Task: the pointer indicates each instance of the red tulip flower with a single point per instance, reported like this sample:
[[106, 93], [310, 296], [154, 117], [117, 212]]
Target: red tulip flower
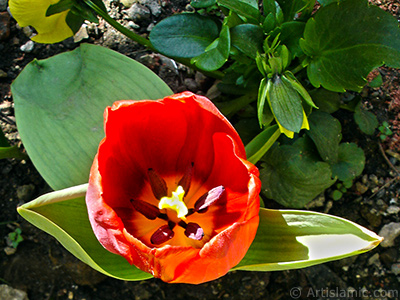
[[171, 191]]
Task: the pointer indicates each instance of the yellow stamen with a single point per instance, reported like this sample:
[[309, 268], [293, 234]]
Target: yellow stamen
[[175, 203]]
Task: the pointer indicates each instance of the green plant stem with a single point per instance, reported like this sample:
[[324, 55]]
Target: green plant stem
[[130, 34], [145, 42], [272, 134]]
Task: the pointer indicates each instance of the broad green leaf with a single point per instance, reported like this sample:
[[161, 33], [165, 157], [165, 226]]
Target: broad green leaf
[[293, 175], [202, 3], [326, 133], [350, 163], [346, 41], [290, 239], [184, 35], [269, 6], [248, 38], [291, 8], [59, 106], [246, 8], [290, 34], [366, 120], [285, 103], [326, 101], [63, 214], [217, 54]]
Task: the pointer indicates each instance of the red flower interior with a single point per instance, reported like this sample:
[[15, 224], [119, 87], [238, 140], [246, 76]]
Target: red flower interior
[[153, 149]]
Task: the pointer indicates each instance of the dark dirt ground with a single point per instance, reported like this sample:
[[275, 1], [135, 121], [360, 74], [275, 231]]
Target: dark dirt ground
[[45, 270]]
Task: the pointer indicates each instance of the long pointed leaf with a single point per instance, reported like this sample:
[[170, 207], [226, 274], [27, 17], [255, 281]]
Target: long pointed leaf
[[291, 239]]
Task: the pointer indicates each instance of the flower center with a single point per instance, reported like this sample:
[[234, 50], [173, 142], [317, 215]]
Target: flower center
[[175, 203], [173, 209]]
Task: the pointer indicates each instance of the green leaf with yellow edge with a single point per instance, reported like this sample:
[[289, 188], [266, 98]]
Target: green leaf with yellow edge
[[63, 214], [292, 239], [60, 102]]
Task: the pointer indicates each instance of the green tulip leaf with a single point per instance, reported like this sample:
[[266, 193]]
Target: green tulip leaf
[[351, 161], [326, 133], [63, 214], [293, 175], [184, 35], [290, 239], [248, 38], [343, 51], [59, 106], [284, 240], [216, 54], [246, 8]]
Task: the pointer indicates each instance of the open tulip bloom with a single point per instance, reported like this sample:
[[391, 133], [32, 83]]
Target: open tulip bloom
[[170, 189]]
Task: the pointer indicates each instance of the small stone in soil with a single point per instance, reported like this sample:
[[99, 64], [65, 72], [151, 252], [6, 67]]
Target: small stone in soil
[[24, 192], [9, 293], [27, 47], [396, 268], [389, 232]]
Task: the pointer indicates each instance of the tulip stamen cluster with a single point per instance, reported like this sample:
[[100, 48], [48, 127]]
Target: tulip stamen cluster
[[173, 209]]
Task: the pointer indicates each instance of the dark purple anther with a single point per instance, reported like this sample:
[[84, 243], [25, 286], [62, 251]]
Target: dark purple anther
[[194, 231], [158, 184], [162, 235]]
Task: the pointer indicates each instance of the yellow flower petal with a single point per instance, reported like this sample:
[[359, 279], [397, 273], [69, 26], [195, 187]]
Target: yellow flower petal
[[51, 29]]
